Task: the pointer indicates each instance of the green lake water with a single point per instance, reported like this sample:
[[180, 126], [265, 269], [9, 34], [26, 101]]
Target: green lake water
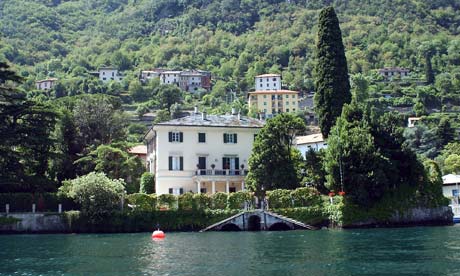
[[399, 251]]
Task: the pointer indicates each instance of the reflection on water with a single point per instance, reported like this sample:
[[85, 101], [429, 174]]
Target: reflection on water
[[404, 251]]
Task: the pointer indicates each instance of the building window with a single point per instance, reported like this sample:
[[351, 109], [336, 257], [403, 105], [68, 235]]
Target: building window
[[104, 78], [176, 163], [113, 74], [103, 73], [287, 103], [454, 192], [293, 96], [176, 191], [176, 136], [287, 109], [265, 103], [293, 109], [265, 96], [232, 189], [274, 79], [268, 84], [273, 97], [230, 138], [203, 190], [260, 85], [231, 163], [201, 137], [287, 96], [260, 80]]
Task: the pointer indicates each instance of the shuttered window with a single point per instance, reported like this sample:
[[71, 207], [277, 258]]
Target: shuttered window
[[176, 163], [176, 136], [230, 138]]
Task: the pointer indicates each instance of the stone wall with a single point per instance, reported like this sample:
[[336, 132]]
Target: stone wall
[[34, 223], [416, 216]]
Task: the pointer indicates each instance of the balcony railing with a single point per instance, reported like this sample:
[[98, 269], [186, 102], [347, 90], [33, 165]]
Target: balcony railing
[[220, 172]]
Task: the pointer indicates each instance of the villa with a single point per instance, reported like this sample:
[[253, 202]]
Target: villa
[[45, 84], [391, 72], [269, 99], [106, 74], [308, 142], [201, 153]]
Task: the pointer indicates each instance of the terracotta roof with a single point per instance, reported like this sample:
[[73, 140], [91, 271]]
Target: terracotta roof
[[268, 75], [282, 91], [309, 139], [139, 149], [215, 121]]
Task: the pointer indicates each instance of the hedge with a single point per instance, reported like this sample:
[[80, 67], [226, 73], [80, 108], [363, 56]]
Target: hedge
[[44, 202], [300, 197]]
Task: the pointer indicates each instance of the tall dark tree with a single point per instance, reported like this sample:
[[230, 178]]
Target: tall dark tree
[[25, 135], [429, 73], [332, 81], [445, 132], [274, 162]]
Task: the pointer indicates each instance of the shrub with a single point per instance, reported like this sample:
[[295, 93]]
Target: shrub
[[147, 183], [237, 200], [279, 198], [306, 196], [97, 194], [142, 202], [219, 200], [186, 202], [167, 201], [202, 201]]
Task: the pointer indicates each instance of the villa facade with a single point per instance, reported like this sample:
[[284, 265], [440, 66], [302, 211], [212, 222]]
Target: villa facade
[[310, 142], [201, 153], [46, 84]]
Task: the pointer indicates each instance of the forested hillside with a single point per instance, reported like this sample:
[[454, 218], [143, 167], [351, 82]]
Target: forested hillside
[[234, 39]]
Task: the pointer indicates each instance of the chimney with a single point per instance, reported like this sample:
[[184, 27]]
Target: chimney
[[195, 109], [203, 115], [233, 111]]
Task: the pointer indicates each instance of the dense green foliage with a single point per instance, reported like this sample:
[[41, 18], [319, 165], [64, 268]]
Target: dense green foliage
[[97, 194], [275, 163], [300, 197], [147, 185], [332, 84]]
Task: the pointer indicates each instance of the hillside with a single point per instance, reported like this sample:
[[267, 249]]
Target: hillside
[[234, 39]]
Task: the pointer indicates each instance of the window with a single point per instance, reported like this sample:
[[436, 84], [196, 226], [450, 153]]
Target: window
[[176, 163], [287, 103], [455, 192], [176, 136], [287, 96], [265, 110], [103, 78], [203, 190], [265, 103], [265, 96], [201, 137], [293, 103], [103, 73], [232, 189], [230, 138], [268, 84], [176, 191], [113, 74], [273, 97], [274, 79], [293, 96], [260, 85], [260, 80], [287, 109], [232, 164]]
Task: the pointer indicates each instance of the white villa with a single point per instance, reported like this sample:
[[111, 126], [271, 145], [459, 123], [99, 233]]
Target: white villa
[[450, 185], [391, 72], [308, 142], [187, 80], [106, 74], [45, 84], [268, 82], [201, 153]]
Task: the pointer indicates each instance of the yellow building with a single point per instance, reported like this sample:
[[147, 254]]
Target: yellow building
[[272, 102]]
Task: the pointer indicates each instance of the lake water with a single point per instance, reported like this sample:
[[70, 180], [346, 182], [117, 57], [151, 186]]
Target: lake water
[[400, 251]]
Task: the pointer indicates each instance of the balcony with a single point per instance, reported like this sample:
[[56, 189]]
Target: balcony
[[206, 172]]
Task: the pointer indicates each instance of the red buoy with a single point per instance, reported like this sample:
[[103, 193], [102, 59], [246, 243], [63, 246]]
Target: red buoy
[[158, 234]]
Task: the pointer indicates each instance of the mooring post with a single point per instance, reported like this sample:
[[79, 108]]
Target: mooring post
[[7, 208], [60, 208], [33, 208]]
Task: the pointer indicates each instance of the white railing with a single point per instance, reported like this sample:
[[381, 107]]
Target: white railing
[[221, 172]]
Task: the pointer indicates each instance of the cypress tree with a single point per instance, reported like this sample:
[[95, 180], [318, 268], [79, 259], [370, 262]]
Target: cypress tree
[[332, 83], [429, 74]]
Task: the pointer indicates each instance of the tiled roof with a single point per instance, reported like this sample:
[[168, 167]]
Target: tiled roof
[[139, 149], [309, 139], [282, 91], [215, 121], [268, 75]]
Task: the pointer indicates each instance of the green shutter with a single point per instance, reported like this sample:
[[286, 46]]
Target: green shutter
[[237, 163], [181, 137], [181, 163], [225, 138], [235, 140], [170, 163], [170, 136]]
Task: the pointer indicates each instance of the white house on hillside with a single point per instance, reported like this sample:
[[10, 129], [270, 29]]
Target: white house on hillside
[[45, 84], [201, 153], [268, 82], [308, 142], [106, 74]]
